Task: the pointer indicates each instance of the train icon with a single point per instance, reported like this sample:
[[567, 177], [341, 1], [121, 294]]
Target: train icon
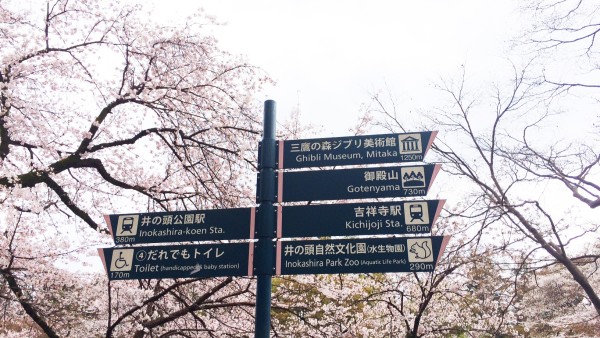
[[416, 212], [127, 225]]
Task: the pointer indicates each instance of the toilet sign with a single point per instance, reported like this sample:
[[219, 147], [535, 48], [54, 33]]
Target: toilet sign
[[178, 261]]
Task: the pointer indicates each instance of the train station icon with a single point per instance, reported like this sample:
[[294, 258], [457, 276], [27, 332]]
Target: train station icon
[[416, 213], [121, 260], [127, 225], [410, 144]]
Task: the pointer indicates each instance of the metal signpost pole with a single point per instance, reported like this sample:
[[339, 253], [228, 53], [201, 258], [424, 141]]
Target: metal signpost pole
[[264, 259]]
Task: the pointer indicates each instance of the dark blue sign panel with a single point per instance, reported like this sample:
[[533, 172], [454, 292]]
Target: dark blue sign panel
[[182, 226], [318, 185], [369, 255], [352, 150], [181, 261], [353, 219]]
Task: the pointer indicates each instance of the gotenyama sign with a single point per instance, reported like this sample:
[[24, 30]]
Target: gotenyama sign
[[381, 182]]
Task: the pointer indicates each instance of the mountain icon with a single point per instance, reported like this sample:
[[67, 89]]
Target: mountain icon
[[413, 179]]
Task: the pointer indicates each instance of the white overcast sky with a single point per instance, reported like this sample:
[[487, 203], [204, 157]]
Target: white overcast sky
[[329, 56]]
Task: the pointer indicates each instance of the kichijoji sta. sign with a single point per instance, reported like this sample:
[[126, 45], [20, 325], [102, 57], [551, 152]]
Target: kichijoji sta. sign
[[352, 150], [356, 219]]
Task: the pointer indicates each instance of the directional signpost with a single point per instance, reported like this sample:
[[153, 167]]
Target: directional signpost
[[180, 261], [263, 253], [182, 226], [380, 182], [367, 255], [354, 219]]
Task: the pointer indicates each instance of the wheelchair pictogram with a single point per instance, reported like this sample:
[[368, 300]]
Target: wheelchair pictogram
[[121, 263], [121, 260]]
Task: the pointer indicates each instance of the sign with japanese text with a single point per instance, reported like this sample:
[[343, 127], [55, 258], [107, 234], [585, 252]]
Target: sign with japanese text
[[368, 255], [353, 219], [182, 226], [181, 261], [353, 150], [380, 182]]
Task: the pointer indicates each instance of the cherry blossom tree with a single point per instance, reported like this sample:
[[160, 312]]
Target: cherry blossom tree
[[563, 37], [103, 111], [486, 143]]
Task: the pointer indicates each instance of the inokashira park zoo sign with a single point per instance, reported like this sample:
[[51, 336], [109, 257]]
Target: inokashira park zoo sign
[[261, 241], [367, 255]]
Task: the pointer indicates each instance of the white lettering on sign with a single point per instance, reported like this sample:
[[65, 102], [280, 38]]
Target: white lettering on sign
[[169, 219], [333, 249], [369, 225], [351, 156], [382, 210], [313, 263], [381, 153], [360, 143], [308, 158], [327, 157], [373, 188], [381, 175], [180, 232]]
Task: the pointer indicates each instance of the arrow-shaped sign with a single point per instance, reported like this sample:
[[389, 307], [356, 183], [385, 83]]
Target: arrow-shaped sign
[[354, 219], [368, 255], [354, 150], [181, 261], [182, 226], [380, 182]]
